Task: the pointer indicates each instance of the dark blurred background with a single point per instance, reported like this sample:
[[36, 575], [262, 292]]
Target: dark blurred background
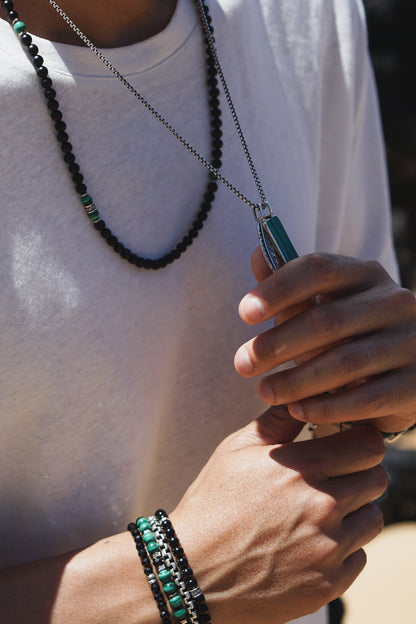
[[392, 38]]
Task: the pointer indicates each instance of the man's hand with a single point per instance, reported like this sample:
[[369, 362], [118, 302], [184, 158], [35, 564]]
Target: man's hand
[[275, 531], [351, 331]]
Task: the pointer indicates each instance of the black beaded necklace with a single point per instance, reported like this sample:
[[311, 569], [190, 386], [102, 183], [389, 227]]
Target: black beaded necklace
[[276, 246], [74, 168]]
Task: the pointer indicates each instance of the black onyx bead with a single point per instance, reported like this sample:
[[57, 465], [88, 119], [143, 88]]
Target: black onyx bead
[[33, 50], [193, 232], [80, 188], [148, 570], [218, 144], [77, 178], [199, 599], [190, 583], [216, 123], [105, 233], [125, 253], [49, 94], [187, 572], [202, 608], [216, 133], [173, 541], [53, 104], [209, 196], [139, 262], [216, 153], [202, 215], [46, 83], [170, 257], [216, 163], [216, 113], [69, 157], [178, 552], [73, 168], [62, 137], [25, 39], [7, 5], [12, 15], [147, 263], [132, 258], [99, 225], [42, 72], [154, 587], [204, 618], [131, 525], [118, 247], [180, 247], [214, 103], [165, 615], [157, 560], [60, 126], [169, 532], [198, 225], [182, 562], [212, 186], [112, 240], [66, 147], [212, 71], [214, 92], [56, 115], [161, 513], [37, 60]]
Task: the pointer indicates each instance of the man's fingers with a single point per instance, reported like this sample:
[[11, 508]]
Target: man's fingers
[[361, 527], [356, 490], [304, 278], [355, 450], [274, 426], [318, 328], [345, 364], [387, 397]]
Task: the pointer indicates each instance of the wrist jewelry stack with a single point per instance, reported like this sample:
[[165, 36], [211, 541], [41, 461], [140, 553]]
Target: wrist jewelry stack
[[167, 570]]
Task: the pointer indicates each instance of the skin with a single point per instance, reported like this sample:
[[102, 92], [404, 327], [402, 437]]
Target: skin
[[355, 346], [298, 543]]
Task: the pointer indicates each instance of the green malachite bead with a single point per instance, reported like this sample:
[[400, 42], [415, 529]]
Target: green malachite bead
[[164, 575], [180, 613], [213, 176], [86, 199], [175, 601], [169, 588], [152, 547], [94, 215], [19, 27], [148, 536]]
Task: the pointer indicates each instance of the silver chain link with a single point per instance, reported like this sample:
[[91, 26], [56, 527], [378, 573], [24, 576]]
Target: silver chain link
[[160, 117]]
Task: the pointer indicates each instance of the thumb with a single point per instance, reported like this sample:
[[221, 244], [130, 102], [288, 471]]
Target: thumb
[[274, 426]]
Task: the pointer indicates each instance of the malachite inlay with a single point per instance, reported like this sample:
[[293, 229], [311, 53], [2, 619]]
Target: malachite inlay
[[213, 176], [175, 601], [86, 200], [141, 521], [164, 575], [152, 547], [169, 588], [19, 27], [180, 613], [278, 232]]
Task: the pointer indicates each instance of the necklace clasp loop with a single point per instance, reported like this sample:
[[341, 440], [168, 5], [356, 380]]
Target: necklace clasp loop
[[262, 211]]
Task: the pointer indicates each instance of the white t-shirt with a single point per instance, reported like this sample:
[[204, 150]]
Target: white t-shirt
[[117, 383]]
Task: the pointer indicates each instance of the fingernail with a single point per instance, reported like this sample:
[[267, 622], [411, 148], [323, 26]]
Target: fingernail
[[251, 309], [243, 362], [296, 410]]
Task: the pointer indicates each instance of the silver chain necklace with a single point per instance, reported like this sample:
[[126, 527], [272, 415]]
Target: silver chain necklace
[[274, 241]]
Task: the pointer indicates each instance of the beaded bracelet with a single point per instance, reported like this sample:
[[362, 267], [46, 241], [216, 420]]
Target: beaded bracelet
[[173, 570], [190, 581], [170, 589], [148, 570]]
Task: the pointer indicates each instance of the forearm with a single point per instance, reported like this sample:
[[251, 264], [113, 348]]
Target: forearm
[[101, 583]]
